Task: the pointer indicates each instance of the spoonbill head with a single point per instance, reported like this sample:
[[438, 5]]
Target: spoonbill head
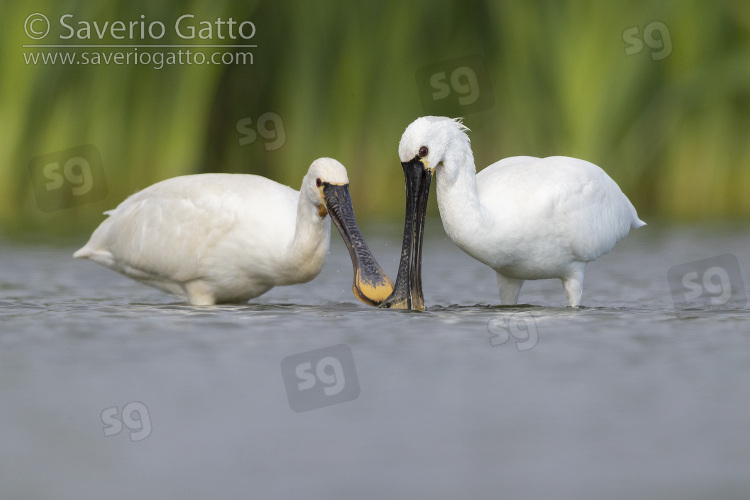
[[219, 238], [525, 217]]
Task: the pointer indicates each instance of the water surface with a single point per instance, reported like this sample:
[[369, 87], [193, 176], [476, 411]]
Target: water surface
[[623, 398]]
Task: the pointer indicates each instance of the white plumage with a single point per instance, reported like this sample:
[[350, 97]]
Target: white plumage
[[527, 218], [213, 238]]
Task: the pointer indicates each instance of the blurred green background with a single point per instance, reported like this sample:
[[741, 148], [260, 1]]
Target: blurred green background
[[664, 110]]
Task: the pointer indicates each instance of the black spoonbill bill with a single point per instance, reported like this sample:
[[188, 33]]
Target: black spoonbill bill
[[227, 238], [527, 218]]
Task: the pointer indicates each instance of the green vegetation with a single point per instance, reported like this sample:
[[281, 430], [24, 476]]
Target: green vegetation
[[670, 126]]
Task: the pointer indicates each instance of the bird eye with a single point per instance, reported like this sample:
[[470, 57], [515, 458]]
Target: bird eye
[[423, 151], [318, 182]]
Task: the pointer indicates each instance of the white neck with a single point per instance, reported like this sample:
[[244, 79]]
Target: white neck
[[457, 195], [307, 252]]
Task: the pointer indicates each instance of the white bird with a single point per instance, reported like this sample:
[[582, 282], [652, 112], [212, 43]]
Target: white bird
[[527, 218], [218, 238]]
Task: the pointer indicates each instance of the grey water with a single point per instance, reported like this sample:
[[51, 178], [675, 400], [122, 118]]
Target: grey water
[[110, 389]]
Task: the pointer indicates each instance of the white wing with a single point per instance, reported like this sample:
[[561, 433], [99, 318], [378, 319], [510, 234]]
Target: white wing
[[556, 204], [196, 227]]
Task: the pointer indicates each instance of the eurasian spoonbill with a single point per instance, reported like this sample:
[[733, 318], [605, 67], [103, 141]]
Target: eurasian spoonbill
[[527, 218], [218, 238]]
